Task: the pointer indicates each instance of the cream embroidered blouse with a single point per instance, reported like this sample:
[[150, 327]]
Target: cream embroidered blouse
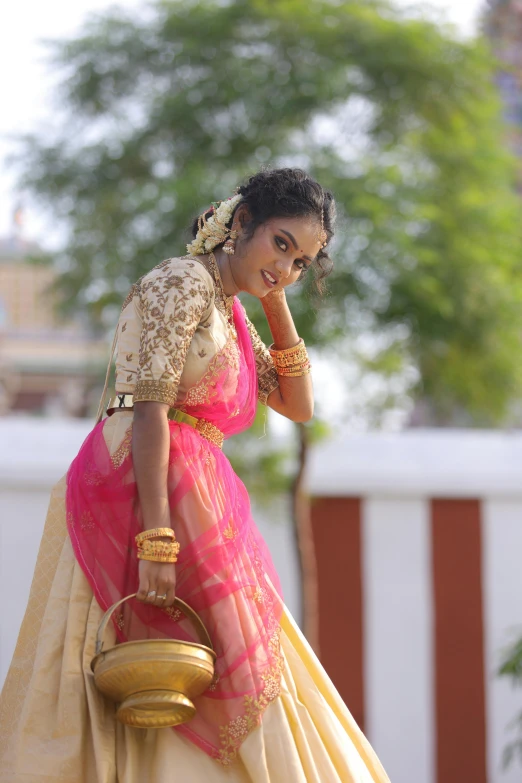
[[172, 323]]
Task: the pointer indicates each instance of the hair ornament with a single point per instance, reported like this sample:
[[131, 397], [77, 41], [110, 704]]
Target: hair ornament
[[213, 231]]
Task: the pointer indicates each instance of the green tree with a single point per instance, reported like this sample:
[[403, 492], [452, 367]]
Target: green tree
[[511, 667], [162, 114]]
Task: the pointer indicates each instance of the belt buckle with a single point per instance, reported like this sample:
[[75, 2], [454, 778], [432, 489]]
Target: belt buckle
[[120, 402]]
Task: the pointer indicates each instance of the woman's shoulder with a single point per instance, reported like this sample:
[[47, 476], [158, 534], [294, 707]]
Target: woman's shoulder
[[177, 272], [180, 273]]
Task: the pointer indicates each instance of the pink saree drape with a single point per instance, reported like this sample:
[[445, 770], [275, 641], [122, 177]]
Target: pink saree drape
[[224, 570]]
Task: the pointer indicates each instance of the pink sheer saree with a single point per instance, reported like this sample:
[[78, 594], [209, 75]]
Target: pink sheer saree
[[224, 570]]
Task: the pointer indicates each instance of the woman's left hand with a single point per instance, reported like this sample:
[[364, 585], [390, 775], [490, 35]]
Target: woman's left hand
[[157, 580]]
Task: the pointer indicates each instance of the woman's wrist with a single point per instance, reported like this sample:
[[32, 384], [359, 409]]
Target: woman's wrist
[[274, 299]]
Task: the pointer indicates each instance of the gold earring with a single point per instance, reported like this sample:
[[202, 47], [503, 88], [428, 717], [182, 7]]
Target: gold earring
[[230, 245]]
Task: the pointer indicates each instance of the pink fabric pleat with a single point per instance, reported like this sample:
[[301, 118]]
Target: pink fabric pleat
[[225, 571]]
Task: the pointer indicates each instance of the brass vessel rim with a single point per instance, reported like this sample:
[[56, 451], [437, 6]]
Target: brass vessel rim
[[185, 609], [131, 643]]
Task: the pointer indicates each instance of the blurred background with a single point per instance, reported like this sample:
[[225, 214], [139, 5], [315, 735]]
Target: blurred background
[[395, 517]]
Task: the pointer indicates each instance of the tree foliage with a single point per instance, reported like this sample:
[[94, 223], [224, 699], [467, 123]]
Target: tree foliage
[[162, 113]]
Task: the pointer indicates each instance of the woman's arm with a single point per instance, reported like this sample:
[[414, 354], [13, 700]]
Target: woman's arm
[[150, 455], [294, 397]]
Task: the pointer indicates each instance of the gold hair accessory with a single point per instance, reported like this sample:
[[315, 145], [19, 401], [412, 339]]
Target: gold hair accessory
[[159, 551]]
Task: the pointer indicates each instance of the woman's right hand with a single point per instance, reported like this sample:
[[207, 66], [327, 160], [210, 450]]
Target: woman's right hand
[[160, 578]]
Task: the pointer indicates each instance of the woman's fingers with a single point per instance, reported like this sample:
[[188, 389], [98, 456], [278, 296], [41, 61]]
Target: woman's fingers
[[171, 594], [157, 583], [143, 589], [164, 595], [161, 596]]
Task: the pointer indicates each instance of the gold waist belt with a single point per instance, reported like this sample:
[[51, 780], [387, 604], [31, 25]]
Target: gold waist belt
[[125, 402]]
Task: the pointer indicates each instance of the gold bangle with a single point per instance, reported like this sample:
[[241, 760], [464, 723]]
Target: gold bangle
[[290, 357], [294, 368], [157, 558], [155, 532], [296, 374], [160, 551], [287, 351]]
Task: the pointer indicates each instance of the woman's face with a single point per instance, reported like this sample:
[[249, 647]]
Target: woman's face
[[276, 254]]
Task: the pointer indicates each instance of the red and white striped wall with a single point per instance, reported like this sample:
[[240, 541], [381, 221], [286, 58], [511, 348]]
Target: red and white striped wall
[[419, 546]]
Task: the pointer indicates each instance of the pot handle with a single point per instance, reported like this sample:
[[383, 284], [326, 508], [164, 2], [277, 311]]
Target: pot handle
[[178, 603]]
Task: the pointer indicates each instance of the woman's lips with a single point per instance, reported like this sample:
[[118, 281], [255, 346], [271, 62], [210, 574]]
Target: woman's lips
[[268, 279]]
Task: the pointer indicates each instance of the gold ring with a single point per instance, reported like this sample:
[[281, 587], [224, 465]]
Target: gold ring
[[164, 597]]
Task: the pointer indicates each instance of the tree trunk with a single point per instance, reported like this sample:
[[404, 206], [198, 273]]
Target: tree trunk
[[302, 521]]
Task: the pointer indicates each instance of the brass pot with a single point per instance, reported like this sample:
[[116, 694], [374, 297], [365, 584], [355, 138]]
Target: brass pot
[[154, 680]]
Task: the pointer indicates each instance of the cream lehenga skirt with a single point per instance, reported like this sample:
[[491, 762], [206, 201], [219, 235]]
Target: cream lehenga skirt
[[55, 727]]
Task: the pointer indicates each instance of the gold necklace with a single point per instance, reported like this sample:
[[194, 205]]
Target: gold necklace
[[226, 302]]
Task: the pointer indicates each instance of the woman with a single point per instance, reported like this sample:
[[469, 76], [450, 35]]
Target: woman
[[151, 500]]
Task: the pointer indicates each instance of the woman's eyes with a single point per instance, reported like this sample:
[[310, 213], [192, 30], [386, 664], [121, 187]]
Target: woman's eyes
[[283, 245]]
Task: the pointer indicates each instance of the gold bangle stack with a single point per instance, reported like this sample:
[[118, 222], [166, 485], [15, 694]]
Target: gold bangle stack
[[291, 362], [158, 551]]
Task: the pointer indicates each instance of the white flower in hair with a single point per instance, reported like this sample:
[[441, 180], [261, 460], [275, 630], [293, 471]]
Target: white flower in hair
[[213, 232]]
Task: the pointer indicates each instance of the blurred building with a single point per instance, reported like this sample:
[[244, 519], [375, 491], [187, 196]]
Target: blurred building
[[47, 365], [503, 26]]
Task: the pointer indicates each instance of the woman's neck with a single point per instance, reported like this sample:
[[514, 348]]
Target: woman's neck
[[230, 287]]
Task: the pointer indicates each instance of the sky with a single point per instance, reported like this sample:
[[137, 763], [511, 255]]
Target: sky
[[26, 82]]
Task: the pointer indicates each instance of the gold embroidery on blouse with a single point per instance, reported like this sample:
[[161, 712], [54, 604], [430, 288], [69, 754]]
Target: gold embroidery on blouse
[[123, 450], [266, 372], [204, 391], [173, 303], [222, 302], [156, 391], [136, 287]]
